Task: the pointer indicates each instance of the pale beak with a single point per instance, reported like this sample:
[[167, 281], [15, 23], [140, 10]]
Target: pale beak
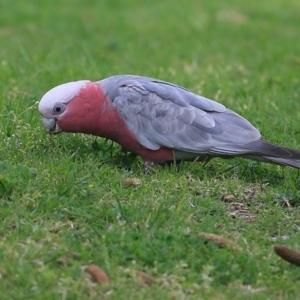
[[51, 125]]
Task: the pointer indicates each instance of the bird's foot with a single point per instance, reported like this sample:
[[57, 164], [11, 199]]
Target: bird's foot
[[148, 166]]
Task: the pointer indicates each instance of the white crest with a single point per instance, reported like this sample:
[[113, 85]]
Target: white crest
[[63, 93]]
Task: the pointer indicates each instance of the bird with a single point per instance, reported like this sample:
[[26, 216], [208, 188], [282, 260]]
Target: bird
[[159, 121]]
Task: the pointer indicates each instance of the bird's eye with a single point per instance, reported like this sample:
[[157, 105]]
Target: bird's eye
[[59, 108]]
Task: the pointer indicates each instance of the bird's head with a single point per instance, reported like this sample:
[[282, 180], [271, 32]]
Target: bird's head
[[69, 107]]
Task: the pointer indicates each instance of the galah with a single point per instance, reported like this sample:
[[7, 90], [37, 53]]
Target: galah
[[159, 121]]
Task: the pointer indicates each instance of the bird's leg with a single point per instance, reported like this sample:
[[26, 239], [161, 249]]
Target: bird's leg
[[147, 166]]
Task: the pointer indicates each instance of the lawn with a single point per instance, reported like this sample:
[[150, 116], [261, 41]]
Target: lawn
[[72, 201]]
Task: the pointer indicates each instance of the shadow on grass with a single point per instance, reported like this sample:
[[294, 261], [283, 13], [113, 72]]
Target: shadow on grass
[[87, 148]]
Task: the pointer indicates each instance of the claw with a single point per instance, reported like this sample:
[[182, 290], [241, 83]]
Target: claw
[[148, 166]]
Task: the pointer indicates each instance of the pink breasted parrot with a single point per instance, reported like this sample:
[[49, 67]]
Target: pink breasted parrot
[[157, 120]]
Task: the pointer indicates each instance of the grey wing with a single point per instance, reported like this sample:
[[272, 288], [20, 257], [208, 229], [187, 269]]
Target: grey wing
[[161, 114]]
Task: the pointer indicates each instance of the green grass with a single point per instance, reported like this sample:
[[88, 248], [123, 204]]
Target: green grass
[[63, 201]]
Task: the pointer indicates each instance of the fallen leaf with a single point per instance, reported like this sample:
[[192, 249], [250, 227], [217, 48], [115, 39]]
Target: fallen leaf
[[288, 254], [132, 181], [98, 274], [241, 211], [228, 198], [220, 240], [249, 193], [144, 278]]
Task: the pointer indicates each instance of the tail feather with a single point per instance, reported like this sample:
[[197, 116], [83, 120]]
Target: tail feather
[[264, 151], [261, 147], [275, 160], [260, 150]]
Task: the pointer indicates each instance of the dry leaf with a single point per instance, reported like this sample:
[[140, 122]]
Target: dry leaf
[[98, 274], [241, 211], [288, 254], [228, 198], [220, 240], [144, 278], [131, 181], [249, 193]]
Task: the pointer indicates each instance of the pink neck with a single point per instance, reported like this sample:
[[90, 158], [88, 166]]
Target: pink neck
[[92, 113]]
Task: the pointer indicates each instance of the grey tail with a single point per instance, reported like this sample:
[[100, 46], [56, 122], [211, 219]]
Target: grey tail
[[275, 154], [275, 160]]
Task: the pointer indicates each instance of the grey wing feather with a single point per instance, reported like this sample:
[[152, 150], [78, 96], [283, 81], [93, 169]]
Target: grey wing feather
[[162, 114]]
